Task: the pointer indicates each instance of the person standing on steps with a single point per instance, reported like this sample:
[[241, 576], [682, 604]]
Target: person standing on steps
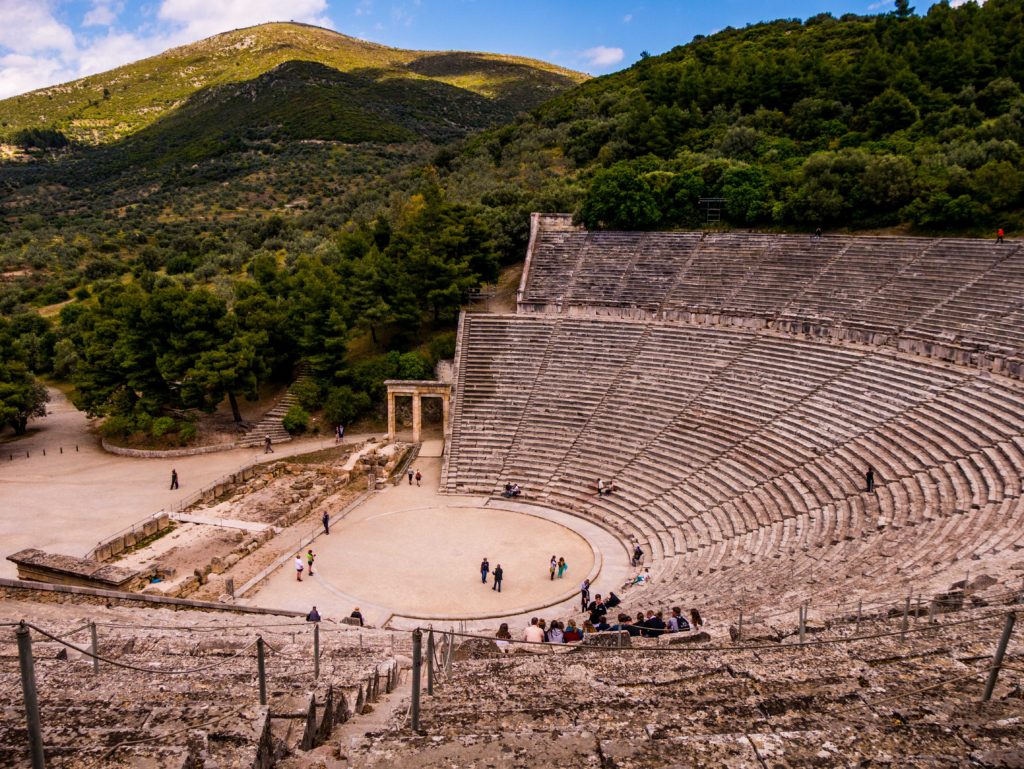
[[485, 567], [585, 594], [309, 559], [498, 574], [999, 235], [869, 476], [327, 522], [411, 473], [298, 567], [419, 477], [174, 479], [267, 448]]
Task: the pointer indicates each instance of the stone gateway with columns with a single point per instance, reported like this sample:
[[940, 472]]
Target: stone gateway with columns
[[417, 390]]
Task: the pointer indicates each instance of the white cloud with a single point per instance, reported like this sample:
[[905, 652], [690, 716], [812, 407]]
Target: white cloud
[[102, 14], [364, 8], [603, 56], [202, 18], [627, 18], [20, 73], [114, 49], [29, 26]]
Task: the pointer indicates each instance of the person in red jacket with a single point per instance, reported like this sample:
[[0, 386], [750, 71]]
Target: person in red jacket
[[999, 235]]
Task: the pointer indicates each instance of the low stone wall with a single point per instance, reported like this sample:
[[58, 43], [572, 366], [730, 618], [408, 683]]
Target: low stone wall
[[153, 454], [961, 353], [41, 592], [125, 540]]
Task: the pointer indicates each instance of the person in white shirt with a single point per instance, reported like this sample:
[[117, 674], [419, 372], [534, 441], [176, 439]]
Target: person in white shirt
[[533, 633]]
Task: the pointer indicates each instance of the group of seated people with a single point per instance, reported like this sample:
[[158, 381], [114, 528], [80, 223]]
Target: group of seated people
[[651, 625], [605, 487], [511, 490]]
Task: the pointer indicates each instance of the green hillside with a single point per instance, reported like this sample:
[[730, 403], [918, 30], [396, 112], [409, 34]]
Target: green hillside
[[860, 122], [109, 106]]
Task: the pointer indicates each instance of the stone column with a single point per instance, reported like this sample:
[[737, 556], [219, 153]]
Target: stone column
[[445, 397], [417, 417], [391, 416]]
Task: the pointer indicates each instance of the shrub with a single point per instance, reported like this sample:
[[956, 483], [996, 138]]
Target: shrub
[[161, 426], [118, 427], [308, 393], [296, 420], [343, 405], [186, 433], [442, 346]]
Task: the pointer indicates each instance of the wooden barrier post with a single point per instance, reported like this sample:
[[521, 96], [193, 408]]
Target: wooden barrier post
[[28, 690], [95, 648], [417, 662], [261, 669], [316, 651], [997, 661], [430, 661]]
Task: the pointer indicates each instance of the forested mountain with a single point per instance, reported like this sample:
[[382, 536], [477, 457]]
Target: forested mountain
[[858, 122], [305, 208]]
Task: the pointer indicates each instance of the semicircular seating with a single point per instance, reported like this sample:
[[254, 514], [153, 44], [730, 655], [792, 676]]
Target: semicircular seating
[[741, 455]]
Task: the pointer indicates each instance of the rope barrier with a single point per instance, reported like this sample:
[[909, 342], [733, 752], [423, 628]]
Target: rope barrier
[[758, 647], [128, 666]]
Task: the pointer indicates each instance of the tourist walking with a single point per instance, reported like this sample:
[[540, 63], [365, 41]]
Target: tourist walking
[[309, 559], [411, 473], [869, 476], [174, 479], [298, 567], [418, 477], [327, 522], [553, 567], [585, 594], [485, 567], [562, 567], [498, 574], [267, 448], [339, 434]]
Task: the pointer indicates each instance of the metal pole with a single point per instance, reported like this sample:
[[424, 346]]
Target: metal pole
[[430, 661], [917, 612], [803, 620], [451, 649], [860, 605], [316, 650], [28, 689], [906, 613], [261, 668], [417, 662], [931, 612], [95, 648], [997, 662], [739, 627]]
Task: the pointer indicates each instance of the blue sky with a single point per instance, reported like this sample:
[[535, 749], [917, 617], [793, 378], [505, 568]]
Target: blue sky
[[43, 42]]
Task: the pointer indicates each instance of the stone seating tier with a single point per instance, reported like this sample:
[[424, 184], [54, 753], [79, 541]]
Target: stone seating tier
[[942, 291], [652, 704], [730, 447], [120, 717]]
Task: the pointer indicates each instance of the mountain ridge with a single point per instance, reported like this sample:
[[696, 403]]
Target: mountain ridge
[[102, 108]]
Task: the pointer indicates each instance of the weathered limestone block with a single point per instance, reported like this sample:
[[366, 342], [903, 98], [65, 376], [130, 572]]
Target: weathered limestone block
[[615, 639]]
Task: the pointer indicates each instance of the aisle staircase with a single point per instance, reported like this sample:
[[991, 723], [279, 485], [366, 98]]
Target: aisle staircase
[[272, 422]]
